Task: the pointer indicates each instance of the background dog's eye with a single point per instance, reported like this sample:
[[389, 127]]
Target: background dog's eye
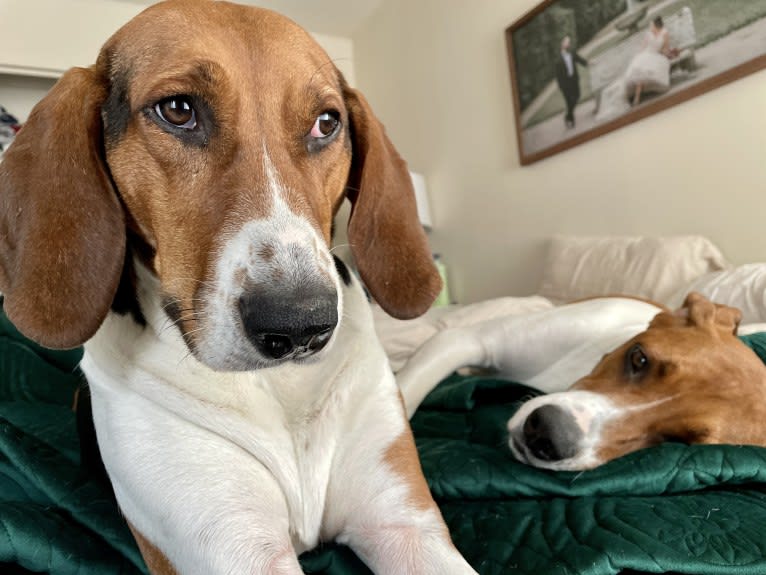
[[325, 125], [636, 361], [178, 111]]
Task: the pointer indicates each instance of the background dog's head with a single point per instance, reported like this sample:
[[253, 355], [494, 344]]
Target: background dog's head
[[214, 143], [687, 378]]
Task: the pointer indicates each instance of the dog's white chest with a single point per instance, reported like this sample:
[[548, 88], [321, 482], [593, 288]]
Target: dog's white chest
[[263, 439]]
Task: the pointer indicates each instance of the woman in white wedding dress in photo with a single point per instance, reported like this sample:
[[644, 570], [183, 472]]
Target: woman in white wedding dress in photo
[[649, 71]]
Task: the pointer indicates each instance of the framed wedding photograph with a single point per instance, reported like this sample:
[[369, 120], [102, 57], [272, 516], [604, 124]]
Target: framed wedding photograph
[[582, 68]]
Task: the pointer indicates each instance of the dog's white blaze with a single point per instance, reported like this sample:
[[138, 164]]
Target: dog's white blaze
[[296, 253], [648, 404]]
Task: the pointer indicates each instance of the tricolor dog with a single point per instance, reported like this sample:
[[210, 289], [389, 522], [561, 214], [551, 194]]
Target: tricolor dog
[[635, 374], [171, 207]]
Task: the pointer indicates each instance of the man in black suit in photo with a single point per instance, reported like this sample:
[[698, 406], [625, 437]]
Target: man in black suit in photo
[[568, 79]]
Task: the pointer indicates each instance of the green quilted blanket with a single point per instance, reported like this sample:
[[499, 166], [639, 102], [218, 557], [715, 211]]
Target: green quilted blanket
[[697, 510]]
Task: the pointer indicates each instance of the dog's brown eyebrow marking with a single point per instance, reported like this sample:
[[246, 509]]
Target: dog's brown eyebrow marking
[[193, 78], [199, 76]]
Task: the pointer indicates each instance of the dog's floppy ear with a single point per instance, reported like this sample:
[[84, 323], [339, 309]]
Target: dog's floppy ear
[[702, 312], [387, 240], [62, 234]]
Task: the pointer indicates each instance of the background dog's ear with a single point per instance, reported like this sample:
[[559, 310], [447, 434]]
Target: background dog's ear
[[389, 244], [62, 231], [702, 311]]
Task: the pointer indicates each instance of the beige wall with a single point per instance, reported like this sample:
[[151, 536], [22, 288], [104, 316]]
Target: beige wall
[[46, 37], [58, 34], [435, 71], [19, 94]]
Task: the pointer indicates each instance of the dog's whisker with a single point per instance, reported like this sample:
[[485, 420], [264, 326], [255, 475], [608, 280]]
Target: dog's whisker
[[168, 324], [185, 318], [170, 303], [176, 301], [330, 62], [352, 188], [183, 315], [177, 280], [196, 330], [332, 249], [185, 357]]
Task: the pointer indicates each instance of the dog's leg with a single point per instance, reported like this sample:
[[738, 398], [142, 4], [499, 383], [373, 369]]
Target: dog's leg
[[415, 549], [400, 531], [199, 505], [519, 346], [379, 503], [548, 349], [438, 357]]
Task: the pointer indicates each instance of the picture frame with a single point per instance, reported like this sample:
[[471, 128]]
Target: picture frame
[[624, 63]]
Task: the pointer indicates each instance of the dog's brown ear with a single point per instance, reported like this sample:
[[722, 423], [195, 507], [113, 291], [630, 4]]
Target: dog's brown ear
[[62, 234], [387, 240], [702, 312]]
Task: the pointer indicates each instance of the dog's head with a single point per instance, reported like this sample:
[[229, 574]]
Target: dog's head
[[686, 378], [219, 140]]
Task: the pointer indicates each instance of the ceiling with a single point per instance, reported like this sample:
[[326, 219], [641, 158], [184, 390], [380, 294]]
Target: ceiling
[[336, 17]]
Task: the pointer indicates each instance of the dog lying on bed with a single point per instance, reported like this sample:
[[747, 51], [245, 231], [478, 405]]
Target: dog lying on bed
[[171, 207], [658, 376]]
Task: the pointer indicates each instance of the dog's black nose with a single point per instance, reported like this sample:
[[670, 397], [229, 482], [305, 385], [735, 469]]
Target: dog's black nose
[[551, 433], [289, 325]]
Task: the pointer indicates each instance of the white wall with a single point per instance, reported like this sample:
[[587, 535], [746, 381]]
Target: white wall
[[46, 37], [436, 73]]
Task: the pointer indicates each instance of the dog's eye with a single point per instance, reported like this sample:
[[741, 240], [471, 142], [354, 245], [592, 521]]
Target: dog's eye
[[178, 111], [325, 125], [636, 362]]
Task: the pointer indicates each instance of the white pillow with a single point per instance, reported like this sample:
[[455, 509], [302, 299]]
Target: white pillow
[[743, 287], [650, 267]]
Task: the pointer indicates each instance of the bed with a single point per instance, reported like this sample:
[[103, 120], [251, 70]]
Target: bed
[[669, 509]]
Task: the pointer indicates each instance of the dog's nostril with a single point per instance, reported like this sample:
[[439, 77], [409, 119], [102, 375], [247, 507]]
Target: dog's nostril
[[533, 423], [313, 336], [275, 345], [279, 345], [544, 449], [319, 340], [551, 433]]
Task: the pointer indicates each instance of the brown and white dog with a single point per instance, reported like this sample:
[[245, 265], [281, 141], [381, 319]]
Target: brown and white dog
[[635, 374], [171, 208]]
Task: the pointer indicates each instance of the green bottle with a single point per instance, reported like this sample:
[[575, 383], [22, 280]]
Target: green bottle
[[443, 298]]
